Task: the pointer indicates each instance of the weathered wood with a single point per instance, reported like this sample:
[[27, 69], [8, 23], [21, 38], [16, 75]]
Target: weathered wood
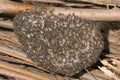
[[91, 14]]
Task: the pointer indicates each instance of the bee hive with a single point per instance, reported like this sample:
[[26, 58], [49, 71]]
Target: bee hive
[[62, 44]]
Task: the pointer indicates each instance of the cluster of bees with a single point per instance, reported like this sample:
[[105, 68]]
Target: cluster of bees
[[62, 44]]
